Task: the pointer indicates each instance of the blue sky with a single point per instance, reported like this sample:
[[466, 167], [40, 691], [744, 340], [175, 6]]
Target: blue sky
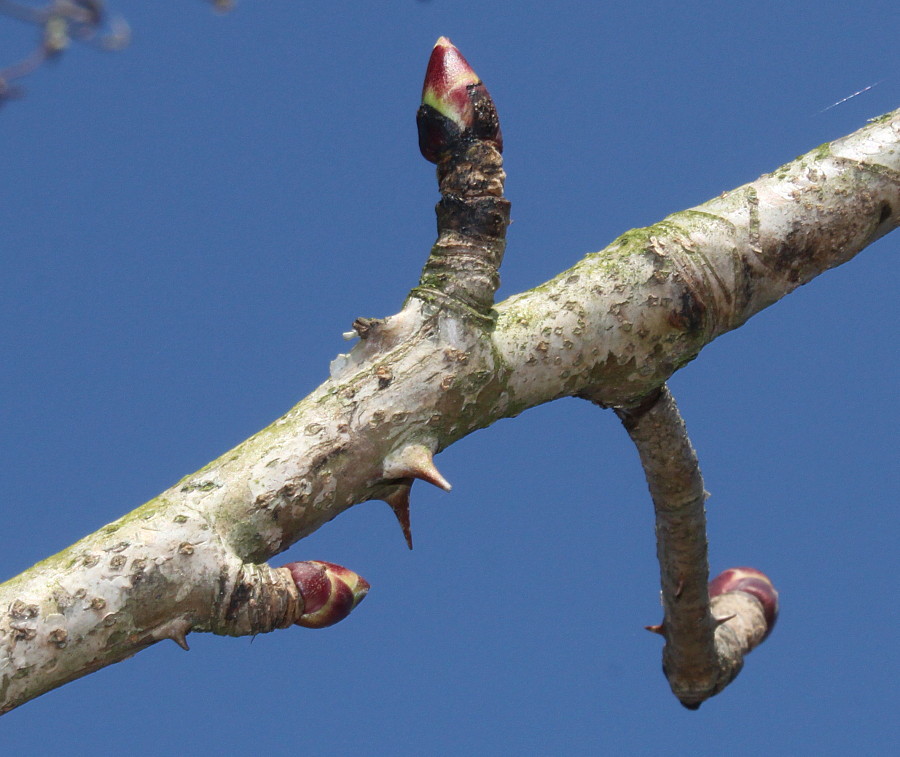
[[189, 225]]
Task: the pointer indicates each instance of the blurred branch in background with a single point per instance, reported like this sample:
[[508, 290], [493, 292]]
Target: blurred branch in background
[[60, 22]]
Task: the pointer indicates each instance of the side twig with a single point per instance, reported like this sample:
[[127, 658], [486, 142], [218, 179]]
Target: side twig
[[706, 640]]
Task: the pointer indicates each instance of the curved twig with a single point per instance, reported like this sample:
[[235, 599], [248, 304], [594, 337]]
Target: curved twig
[[705, 644]]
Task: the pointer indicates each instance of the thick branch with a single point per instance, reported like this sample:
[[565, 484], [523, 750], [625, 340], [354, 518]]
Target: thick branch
[[614, 327], [621, 321]]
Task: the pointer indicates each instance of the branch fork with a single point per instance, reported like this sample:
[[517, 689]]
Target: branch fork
[[611, 329]]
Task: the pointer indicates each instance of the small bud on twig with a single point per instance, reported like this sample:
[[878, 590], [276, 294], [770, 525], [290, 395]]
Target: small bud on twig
[[750, 581], [330, 592]]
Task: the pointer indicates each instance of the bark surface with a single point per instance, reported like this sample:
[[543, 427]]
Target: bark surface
[[612, 328]]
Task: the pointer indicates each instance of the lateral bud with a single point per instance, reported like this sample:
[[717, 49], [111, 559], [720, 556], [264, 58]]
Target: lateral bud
[[456, 106], [330, 592], [752, 582]]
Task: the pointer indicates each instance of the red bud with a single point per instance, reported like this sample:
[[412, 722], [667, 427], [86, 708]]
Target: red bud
[[330, 592], [456, 106], [752, 582]]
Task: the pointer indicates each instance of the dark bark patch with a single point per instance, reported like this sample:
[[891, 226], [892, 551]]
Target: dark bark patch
[[242, 592], [691, 313]]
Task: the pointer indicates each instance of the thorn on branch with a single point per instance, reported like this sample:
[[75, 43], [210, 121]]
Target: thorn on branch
[[398, 500], [414, 461], [176, 630]]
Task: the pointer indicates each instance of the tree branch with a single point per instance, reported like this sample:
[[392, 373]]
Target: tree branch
[[705, 640], [60, 22], [613, 328]]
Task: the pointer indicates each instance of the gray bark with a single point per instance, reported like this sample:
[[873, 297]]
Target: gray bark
[[612, 328]]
